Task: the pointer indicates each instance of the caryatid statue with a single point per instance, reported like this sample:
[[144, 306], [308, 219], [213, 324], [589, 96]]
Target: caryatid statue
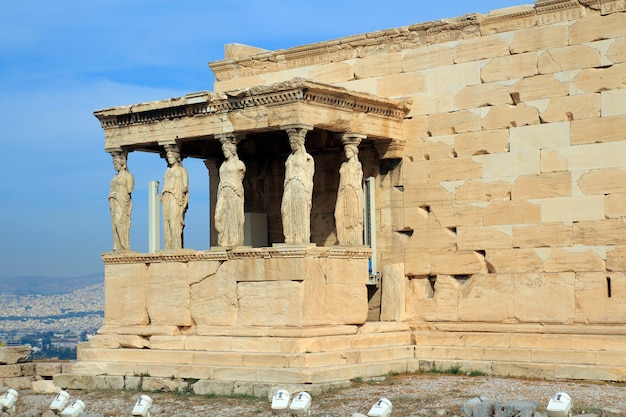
[[174, 198], [298, 188], [229, 209], [349, 207], [120, 202]]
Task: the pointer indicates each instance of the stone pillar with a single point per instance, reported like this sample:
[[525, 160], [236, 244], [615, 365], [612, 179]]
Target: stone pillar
[[393, 302], [174, 198], [297, 187], [120, 200], [350, 204], [214, 179], [229, 207]]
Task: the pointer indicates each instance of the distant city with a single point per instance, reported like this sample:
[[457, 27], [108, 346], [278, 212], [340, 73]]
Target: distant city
[[53, 324]]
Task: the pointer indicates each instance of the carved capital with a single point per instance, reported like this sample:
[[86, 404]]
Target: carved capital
[[297, 129], [351, 138], [230, 137]]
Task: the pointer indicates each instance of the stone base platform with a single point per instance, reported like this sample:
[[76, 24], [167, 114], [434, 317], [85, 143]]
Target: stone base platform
[[254, 361], [585, 352], [242, 360]]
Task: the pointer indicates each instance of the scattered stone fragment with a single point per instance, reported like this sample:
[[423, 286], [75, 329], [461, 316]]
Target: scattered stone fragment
[[14, 354]]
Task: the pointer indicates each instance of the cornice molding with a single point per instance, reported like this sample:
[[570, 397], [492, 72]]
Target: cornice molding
[[241, 253], [298, 90]]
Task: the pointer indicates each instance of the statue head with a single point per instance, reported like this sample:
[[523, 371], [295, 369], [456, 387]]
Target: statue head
[[351, 150], [119, 160], [228, 147], [172, 154]]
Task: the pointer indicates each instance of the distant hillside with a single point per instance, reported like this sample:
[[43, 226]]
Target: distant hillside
[[24, 285]]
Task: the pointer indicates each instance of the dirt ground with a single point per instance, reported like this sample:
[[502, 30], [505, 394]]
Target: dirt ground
[[413, 394]]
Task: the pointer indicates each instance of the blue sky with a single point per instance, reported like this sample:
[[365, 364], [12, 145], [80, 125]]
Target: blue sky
[[61, 60]]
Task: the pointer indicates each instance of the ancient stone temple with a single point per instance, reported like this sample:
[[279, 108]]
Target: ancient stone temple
[[450, 193]]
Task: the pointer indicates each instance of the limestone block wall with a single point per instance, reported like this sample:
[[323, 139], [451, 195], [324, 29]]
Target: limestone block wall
[[509, 203], [193, 292]]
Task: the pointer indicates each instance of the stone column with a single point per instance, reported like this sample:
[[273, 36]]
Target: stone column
[[174, 198], [297, 188], [214, 179], [120, 200], [349, 207], [229, 206]]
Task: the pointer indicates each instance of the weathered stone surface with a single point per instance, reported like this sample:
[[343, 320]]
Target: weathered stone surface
[[617, 51], [603, 181], [452, 215], [560, 109], [393, 303], [568, 58], [457, 263], [44, 386], [615, 206], [550, 135], [125, 289], [401, 84], [481, 238], [454, 169], [438, 302], [601, 232], [551, 161], [454, 77], [427, 57], [532, 291], [543, 235], [377, 65], [512, 212], [213, 301], [572, 209], [484, 47], [347, 304], [524, 162], [574, 260], [509, 67], [605, 129], [482, 95], [483, 142], [13, 354], [475, 191], [592, 29], [331, 73], [506, 116], [616, 258], [543, 37], [538, 87], [542, 186], [593, 80], [167, 294], [593, 304], [48, 368], [415, 129], [118, 341], [495, 291], [514, 261], [613, 102], [429, 148], [454, 122]]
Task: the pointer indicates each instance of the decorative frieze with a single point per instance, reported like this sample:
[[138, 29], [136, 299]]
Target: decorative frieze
[[278, 251], [612, 6], [553, 11]]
